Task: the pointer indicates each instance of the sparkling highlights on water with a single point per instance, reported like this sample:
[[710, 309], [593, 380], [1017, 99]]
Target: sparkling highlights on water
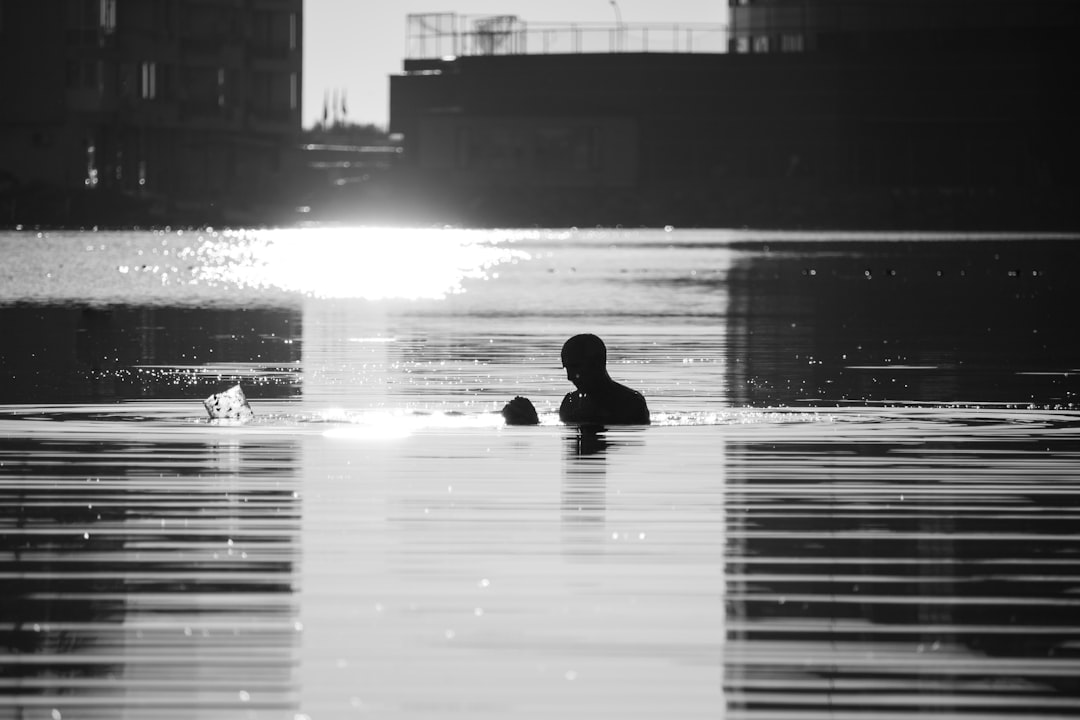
[[366, 263]]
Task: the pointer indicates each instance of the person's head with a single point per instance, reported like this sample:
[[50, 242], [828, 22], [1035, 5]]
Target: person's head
[[585, 360]]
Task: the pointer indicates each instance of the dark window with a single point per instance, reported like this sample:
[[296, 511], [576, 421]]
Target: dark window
[[567, 149], [491, 148], [148, 80]]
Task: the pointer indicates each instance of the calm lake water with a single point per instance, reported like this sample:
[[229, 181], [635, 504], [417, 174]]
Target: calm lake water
[[858, 497]]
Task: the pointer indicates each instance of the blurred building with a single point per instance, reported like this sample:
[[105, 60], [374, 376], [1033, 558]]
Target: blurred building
[[902, 26], [194, 103], [827, 113]]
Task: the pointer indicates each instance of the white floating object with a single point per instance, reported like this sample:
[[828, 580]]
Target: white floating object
[[229, 405]]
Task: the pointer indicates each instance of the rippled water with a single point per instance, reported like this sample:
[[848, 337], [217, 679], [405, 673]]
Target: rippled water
[[858, 496]]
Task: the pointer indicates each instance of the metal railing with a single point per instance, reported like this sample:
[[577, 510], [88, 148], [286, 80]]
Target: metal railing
[[449, 34]]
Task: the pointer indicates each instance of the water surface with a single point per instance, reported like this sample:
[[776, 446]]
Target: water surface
[[858, 496]]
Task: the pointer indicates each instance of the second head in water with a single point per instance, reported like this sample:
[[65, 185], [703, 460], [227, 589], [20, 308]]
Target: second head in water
[[597, 399]]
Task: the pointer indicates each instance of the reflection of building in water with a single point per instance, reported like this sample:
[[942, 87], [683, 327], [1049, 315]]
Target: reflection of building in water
[[865, 575], [164, 578], [893, 563], [915, 321], [68, 354]]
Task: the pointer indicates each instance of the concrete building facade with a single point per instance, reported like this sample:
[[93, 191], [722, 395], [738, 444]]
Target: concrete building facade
[[911, 132], [193, 103], [905, 26]]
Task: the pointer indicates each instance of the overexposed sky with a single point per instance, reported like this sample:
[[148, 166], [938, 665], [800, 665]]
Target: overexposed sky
[[354, 46]]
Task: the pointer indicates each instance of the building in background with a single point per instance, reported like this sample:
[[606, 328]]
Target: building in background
[[901, 26], [892, 114], [191, 104], [509, 122]]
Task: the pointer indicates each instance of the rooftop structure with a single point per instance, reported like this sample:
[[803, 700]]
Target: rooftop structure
[[439, 35], [826, 114]]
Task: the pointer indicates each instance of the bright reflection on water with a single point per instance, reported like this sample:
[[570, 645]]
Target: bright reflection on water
[[204, 267], [363, 263], [857, 498]]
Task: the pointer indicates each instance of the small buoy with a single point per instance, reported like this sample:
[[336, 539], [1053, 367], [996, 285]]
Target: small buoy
[[229, 405]]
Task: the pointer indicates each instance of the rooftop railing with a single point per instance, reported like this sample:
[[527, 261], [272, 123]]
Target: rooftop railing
[[449, 34]]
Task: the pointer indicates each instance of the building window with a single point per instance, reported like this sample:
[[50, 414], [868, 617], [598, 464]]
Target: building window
[[201, 90], [274, 95], [462, 148], [761, 43], [567, 149], [742, 44], [107, 16], [490, 148], [148, 81], [81, 74], [91, 179], [791, 43], [274, 33]]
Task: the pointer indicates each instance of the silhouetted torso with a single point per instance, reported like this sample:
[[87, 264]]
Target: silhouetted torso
[[598, 400], [610, 403]]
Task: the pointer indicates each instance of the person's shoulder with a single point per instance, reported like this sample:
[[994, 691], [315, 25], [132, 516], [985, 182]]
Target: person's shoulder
[[642, 410], [632, 405], [572, 407], [629, 392]]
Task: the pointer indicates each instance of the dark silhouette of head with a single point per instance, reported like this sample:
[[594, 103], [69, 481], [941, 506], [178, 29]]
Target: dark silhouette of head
[[585, 360], [520, 411]]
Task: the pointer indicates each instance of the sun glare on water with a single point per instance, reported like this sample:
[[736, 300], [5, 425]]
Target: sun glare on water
[[361, 263]]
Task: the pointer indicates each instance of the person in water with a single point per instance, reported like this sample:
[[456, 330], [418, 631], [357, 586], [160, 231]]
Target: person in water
[[598, 399]]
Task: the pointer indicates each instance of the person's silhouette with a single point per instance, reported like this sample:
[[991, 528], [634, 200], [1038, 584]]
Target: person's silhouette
[[597, 400]]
